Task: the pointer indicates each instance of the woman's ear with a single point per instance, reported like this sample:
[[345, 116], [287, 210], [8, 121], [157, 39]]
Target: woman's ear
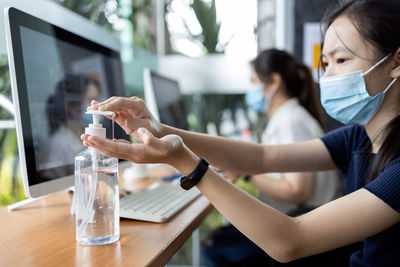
[[275, 81], [395, 72]]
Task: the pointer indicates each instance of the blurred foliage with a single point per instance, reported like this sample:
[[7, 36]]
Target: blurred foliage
[[143, 24], [5, 86], [100, 11], [206, 14], [11, 188], [93, 10], [209, 107], [247, 187]]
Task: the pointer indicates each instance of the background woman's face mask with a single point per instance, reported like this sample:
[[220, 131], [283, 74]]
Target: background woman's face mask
[[255, 98], [345, 97]]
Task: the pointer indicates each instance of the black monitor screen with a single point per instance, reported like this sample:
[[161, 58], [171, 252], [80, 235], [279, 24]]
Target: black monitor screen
[[58, 74], [169, 101]]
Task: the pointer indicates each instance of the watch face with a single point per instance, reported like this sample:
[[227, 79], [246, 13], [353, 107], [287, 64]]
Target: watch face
[[186, 183]]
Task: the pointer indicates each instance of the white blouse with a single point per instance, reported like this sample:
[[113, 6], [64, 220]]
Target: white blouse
[[292, 123]]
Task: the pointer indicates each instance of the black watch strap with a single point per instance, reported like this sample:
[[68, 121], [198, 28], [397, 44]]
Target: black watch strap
[[193, 178]]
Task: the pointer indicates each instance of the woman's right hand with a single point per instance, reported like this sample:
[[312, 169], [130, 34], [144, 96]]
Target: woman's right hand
[[131, 114]]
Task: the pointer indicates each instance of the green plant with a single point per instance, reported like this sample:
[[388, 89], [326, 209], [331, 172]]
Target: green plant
[[142, 19], [11, 189], [5, 86], [206, 14], [141, 15], [93, 10]]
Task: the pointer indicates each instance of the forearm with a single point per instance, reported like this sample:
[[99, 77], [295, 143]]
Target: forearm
[[224, 153], [250, 158], [296, 188]]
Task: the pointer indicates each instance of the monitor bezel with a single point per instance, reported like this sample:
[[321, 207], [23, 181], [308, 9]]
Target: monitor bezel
[[14, 18], [149, 91], [152, 102], [149, 95]]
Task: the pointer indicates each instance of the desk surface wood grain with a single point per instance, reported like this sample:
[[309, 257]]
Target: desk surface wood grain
[[43, 234]]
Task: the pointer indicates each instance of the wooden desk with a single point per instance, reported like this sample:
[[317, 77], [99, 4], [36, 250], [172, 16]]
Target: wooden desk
[[43, 234]]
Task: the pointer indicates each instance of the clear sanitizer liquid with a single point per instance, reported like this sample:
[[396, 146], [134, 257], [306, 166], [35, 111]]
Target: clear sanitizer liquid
[[97, 195]]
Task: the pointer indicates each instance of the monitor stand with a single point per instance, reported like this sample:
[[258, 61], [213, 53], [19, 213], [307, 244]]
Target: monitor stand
[[19, 204]]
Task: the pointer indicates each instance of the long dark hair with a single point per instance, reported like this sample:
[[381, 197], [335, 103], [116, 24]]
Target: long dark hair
[[296, 76], [378, 22]]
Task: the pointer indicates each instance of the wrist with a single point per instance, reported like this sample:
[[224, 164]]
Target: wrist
[[162, 130], [188, 181], [186, 161]]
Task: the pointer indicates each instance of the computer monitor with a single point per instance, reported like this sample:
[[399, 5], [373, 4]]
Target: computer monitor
[[164, 99], [54, 75]]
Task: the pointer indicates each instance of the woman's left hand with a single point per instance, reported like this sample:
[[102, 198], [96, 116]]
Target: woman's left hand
[[169, 149]]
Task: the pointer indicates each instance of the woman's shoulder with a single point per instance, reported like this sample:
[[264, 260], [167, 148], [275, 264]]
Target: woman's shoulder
[[291, 110], [296, 115], [352, 134], [387, 185], [293, 123]]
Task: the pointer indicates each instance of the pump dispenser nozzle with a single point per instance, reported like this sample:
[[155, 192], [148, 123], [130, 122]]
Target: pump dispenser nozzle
[[96, 128], [96, 118]]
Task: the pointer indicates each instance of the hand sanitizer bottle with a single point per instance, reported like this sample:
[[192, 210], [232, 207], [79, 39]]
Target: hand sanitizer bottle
[[96, 189]]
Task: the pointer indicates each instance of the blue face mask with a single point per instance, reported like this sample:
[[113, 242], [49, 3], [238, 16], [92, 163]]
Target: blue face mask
[[255, 98], [345, 97]]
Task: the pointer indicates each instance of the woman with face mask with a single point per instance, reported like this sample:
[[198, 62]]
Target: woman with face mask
[[285, 89], [361, 58]]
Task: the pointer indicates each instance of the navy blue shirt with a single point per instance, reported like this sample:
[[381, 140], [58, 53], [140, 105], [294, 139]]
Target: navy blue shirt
[[348, 149]]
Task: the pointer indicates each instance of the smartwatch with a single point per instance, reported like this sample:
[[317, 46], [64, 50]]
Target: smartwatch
[[193, 178]]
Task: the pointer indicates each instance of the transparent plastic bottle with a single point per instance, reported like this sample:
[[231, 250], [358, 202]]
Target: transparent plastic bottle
[[97, 194]]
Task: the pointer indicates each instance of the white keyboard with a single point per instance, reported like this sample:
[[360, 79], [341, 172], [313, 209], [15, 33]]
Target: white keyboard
[[157, 203]]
